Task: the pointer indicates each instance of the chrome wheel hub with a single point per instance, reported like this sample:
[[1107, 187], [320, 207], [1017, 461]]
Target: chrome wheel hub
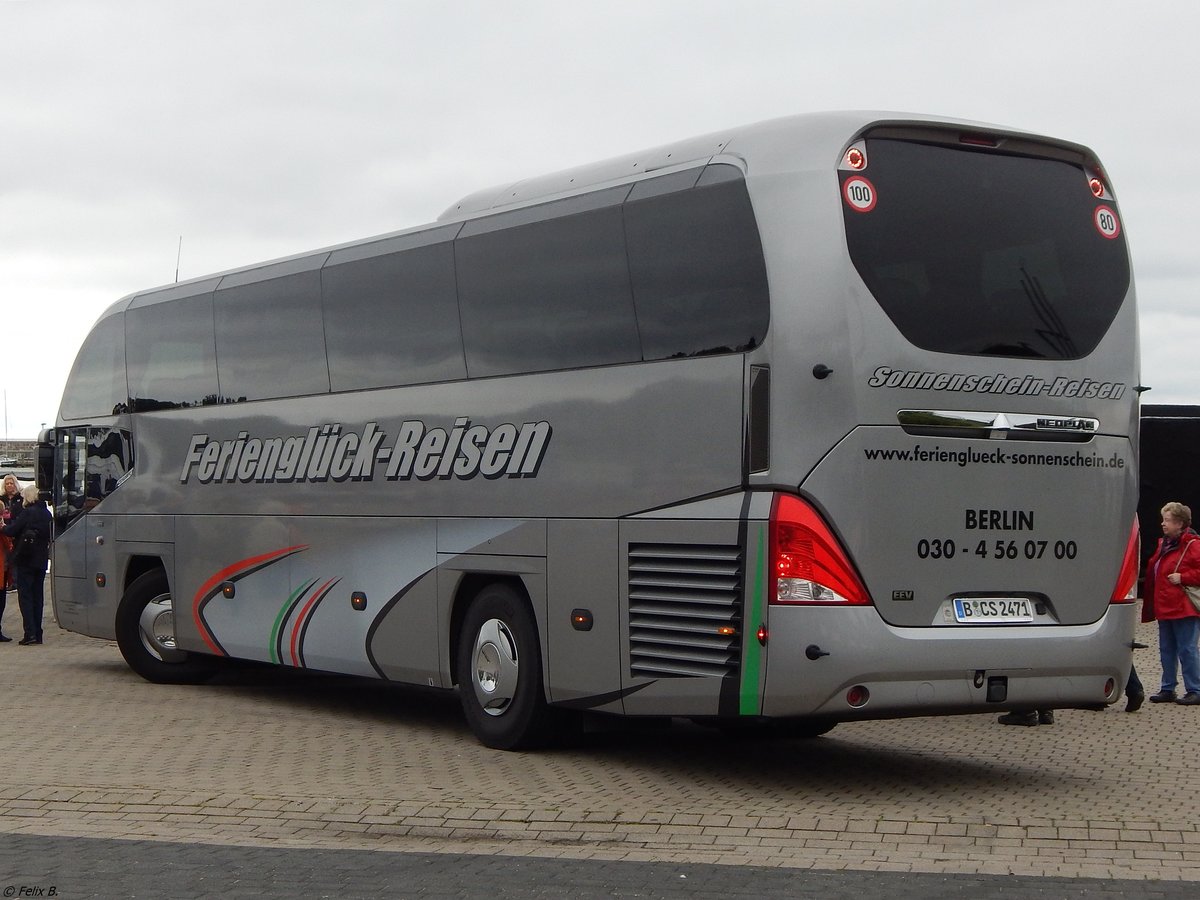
[[156, 628], [496, 667]]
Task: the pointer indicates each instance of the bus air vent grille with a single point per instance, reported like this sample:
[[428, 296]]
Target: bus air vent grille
[[685, 610]]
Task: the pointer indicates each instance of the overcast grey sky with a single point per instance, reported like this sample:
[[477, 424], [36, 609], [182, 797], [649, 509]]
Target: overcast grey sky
[[262, 129]]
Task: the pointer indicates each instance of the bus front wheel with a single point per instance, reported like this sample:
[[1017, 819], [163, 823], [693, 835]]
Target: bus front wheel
[[499, 671], [146, 635]]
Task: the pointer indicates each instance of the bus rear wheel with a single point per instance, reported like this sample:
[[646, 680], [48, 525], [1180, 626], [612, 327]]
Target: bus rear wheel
[[499, 671], [146, 635]]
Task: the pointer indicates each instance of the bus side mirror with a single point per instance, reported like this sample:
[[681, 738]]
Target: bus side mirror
[[44, 471]]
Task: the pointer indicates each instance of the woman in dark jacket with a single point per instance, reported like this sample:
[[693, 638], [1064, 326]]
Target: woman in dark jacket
[[1175, 563], [30, 531]]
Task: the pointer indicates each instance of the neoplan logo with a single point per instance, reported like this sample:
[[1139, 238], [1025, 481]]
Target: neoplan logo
[[327, 453]]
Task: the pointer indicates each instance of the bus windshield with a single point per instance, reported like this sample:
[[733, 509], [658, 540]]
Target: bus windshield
[[978, 252]]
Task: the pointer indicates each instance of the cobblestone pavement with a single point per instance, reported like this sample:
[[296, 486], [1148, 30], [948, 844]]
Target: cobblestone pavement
[[273, 759]]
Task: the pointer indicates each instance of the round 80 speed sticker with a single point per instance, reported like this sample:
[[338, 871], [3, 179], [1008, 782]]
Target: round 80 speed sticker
[[859, 193], [1106, 222]]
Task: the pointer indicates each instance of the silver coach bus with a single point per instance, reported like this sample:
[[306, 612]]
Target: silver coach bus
[[827, 418]]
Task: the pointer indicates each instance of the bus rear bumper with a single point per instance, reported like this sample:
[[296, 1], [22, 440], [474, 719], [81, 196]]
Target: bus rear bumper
[[873, 670]]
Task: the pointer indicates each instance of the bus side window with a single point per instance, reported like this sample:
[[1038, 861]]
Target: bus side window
[[171, 351], [90, 463], [697, 269]]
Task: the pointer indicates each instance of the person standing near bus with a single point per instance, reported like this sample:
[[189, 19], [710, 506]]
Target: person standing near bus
[[1175, 563], [30, 532], [10, 506], [11, 493]]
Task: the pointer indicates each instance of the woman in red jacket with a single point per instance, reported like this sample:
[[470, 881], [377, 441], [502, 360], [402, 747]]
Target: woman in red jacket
[[1175, 563], [10, 506]]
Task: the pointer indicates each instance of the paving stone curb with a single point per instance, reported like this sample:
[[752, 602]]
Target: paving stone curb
[[1070, 847]]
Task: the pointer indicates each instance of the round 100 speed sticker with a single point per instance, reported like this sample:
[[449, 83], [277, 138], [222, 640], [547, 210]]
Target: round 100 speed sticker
[[1106, 222], [859, 193]]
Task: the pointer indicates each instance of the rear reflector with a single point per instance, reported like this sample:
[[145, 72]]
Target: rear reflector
[[858, 696]]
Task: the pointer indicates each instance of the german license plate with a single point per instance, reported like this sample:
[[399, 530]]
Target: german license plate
[[992, 610]]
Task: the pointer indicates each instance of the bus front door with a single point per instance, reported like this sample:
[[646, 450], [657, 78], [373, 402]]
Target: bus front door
[[69, 574]]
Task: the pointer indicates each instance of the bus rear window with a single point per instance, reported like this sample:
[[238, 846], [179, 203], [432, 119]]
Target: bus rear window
[[981, 253]]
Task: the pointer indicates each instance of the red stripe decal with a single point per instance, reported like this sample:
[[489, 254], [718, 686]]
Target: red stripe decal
[[209, 589], [317, 595]]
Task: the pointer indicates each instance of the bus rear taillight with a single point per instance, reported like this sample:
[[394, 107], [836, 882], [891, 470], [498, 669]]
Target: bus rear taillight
[[1126, 589], [808, 564]]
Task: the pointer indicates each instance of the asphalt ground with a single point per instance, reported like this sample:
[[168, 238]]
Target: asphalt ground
[[82, 868], [270, 781]]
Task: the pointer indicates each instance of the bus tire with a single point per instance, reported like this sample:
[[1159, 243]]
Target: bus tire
[[146, 635], [499, 671]]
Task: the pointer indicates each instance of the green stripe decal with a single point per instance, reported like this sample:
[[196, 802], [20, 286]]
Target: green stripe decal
[[751, 702], [283, 611]]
